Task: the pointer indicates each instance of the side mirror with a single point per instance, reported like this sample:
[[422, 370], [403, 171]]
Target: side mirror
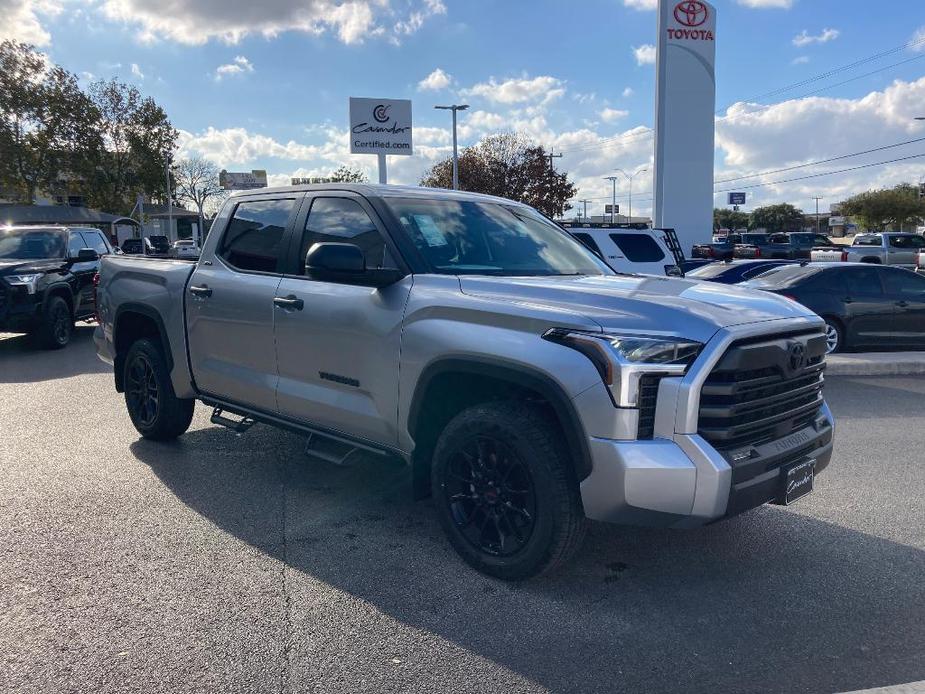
[[345, 263], [87, 255]]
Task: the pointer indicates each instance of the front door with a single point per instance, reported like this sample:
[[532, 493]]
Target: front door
[[902, 250], [83, 272], [337, 345], [868, 309], [229, 304], [907, 291]]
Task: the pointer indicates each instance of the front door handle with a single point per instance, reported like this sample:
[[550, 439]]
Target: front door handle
[[201, 291], [289, 302]]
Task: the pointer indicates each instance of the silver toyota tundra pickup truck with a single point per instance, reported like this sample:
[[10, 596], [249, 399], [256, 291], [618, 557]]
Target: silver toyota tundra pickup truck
[[528, 386]]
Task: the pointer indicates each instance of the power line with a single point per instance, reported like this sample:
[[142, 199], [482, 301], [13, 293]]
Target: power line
[[821, 161]]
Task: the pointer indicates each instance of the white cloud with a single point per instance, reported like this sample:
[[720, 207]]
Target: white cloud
[[804, 38], [611, 115], [628, 92], [435, 81], [515, 91], [767, 4], [917, 42], [19, 20], [644, 54], [238, 66], [353, 21], [800, 60], [641, 4], [136, 71]]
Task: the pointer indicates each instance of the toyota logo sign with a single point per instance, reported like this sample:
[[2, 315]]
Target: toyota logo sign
[[691, 13]]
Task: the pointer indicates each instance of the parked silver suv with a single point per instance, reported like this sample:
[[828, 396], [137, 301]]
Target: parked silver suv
[[527, 385]]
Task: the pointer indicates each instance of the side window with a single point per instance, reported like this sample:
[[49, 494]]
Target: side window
[[904, 283], [92, 239], [588, 241], [74, 243], [341, 220], [864, 282], [254, 234], [638, 248], [907, 242]]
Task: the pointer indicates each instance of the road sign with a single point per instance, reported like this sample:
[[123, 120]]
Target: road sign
[[232, 180], [611, 209], [736, 199], [380, 126]]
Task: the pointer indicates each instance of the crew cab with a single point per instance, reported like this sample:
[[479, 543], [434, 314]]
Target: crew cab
[[528, 386], [891, 248], [752, 245], [720, 248], [46, 279], [790, 246]]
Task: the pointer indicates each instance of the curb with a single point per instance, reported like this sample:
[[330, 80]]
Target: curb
[[876, 364]]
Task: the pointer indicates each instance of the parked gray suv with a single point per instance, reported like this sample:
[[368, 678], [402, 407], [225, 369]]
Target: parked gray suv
[[527, 385]]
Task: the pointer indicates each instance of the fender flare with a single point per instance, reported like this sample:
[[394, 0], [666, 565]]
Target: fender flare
[[147, 312], [520, 375], [53, 288]]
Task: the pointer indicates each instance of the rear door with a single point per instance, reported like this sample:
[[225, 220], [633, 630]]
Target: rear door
[[907, 291], [902, 250], [229, 303], [869, 311], [83, 272], [338, 350]]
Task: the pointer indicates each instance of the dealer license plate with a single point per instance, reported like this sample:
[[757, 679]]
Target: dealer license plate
[[797, 481]]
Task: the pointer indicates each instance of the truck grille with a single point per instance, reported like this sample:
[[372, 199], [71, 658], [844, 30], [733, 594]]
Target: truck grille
[[648, 395], [762, 390]]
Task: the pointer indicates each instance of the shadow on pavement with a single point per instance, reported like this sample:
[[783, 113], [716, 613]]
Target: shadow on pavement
[[22, 361], [770, 601]]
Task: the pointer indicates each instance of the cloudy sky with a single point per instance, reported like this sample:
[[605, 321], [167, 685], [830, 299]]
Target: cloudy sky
[[265, 84]]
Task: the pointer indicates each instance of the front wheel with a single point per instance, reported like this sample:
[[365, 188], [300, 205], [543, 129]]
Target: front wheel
[[834, 336], [154, 407], [505, 492], [57, 324]]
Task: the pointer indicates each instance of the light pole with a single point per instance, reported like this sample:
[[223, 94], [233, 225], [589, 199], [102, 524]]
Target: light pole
[[613, 206], [454, 108], [169, 196], [817, 199], [630, 217]]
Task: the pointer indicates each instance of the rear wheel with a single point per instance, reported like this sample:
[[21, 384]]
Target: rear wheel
[[834, 336], [505, 492], [56, 325], [154, 407]]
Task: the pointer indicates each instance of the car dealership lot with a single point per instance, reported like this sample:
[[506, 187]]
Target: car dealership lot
[[227, 563]]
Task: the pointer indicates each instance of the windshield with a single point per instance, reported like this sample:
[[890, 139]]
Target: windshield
[[31, 244], [463, 237]]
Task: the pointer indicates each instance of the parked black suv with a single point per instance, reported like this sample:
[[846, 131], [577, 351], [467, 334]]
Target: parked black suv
[[46, 279]]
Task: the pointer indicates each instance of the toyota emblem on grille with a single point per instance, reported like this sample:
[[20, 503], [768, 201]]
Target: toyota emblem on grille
[[797, 356]]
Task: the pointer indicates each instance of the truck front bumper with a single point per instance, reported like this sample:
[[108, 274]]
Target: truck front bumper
[[685, 482]]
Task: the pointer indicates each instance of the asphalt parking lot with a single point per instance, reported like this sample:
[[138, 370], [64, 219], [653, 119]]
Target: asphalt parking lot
[[225, 563]]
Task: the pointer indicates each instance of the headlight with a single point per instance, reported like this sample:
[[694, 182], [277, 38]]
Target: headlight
[[622, 360], [27, 281]]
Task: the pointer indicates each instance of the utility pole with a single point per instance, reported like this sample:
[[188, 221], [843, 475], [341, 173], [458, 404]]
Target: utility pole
[[585, 203], [817, 199], [613, 207], [169, 198], [552, 156], [454, 108]]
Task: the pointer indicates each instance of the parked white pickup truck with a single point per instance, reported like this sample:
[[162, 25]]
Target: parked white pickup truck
[[882, 249]]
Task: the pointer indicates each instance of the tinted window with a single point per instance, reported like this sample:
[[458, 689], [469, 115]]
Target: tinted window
[[907, 242], [863, 282], [758, 269], [94, 240], [868, 241], [784, 276], [31, 243], [254, 234], [589, 243], [780, 238], [903, 282], [759, 239], [472, 237], [710, 271], [341, 220], [74, 243], [638, 248]]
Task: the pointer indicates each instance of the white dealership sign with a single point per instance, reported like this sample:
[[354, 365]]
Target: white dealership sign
[[232, 180], [685, 102], [380, 126]]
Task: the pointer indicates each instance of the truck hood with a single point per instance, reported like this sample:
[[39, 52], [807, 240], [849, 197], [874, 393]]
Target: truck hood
[[18, 266], [643, 303]]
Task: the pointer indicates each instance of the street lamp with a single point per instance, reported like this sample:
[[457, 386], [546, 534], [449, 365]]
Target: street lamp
[[454, 108], [630, 217], [613, 206]]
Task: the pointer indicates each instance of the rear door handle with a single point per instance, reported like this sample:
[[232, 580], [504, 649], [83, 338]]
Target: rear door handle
[[201, 291], [289, 302]]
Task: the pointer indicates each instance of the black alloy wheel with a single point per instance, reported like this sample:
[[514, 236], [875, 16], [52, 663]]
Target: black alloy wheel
[[141, 390], [61, 323], [491, 496]]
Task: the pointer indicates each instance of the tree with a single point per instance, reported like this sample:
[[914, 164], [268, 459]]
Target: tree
[[45, 121], [348, 174], [196, 181], [729, 219], [776, 218], [879, 209], [136, 138], [510, 166]]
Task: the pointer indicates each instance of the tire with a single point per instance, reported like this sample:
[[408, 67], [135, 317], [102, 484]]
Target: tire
[[835, 336], [512, 530], [57, 324], [154, 407]]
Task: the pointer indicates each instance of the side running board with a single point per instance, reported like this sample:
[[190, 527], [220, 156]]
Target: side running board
[[237, 425]]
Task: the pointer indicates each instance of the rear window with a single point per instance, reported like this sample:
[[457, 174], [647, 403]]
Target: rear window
[[638, 248], [868, 241], [784, 276], [588, 242], [755, 238], [709, 271], [254, 234]]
